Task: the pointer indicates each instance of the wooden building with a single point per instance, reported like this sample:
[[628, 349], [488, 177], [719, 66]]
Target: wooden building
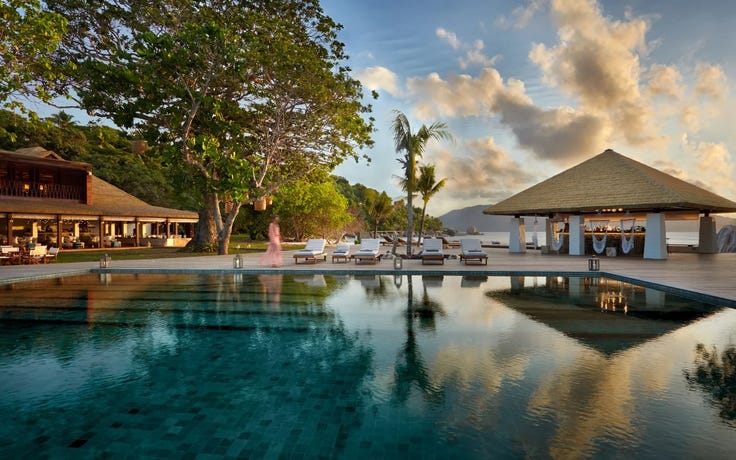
[[46, 199]]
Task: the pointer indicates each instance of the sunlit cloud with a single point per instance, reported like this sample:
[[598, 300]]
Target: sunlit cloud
[[473, 52], [483, 163], [710, 81], [379, 78], [448, 37], [562, 135], [665, 81], [521, 15]]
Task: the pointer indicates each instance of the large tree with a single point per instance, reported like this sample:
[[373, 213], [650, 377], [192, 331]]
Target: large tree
[[250, 95], [427, 187], [412, 146], [28, 37], [377, 207]]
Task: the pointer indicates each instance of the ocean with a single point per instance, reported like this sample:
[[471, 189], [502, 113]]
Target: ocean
[[502, 238]]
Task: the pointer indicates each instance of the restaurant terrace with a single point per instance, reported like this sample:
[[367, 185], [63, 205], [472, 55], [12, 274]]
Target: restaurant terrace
[[47, 200]]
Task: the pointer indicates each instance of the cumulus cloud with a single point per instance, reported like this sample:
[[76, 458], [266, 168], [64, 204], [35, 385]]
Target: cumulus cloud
[[665, 80], [710, 81], [473, 52], [521, 15], [494, 175], [379, 79], [448, 37], [562, 135], [713, 163], [596, 60]]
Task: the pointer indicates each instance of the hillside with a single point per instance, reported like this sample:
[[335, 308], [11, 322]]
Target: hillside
[[460, 219]]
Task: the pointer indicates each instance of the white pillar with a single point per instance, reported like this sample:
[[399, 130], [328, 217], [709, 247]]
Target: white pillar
[[517, 236], [34, 230], [76, 229], [707, 240], [655, 238], [577, 235]]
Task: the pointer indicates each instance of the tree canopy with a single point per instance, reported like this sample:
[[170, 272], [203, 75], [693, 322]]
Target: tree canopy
[[251, 95]]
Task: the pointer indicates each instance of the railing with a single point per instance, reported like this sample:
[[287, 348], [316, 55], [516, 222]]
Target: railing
[[39, 190]]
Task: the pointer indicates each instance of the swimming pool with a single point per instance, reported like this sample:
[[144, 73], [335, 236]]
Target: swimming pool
[[362, 366]]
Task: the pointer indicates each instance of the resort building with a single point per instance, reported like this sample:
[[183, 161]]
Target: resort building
[[48, 200], [611, 204]]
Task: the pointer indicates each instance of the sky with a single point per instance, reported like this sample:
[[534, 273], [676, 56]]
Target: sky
[[529, 88]]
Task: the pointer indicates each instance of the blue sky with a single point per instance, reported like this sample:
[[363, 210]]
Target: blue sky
[[532, 87]]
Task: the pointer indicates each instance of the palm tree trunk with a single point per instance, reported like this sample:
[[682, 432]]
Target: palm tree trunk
[[410, 225], [421, 222]]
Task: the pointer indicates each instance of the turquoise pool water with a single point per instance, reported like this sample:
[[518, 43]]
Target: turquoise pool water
[[281, 366]]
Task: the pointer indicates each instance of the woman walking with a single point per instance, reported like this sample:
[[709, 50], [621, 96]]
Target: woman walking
[[272, 256]]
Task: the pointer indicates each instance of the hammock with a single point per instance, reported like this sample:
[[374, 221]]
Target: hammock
[[627, 244], [599, 245], [558, 239], [535, 240]]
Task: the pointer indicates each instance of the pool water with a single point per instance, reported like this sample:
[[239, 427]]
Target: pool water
[[287, 366]]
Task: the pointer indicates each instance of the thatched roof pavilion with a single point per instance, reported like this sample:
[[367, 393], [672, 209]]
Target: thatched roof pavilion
[[612, 186]]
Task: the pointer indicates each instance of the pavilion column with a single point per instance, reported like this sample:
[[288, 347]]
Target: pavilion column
[[577, 235], [517, 236], [655, 238], [707, 240]]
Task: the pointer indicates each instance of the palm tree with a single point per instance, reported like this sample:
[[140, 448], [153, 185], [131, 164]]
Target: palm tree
[[413, 144], [378, 207], [427, 188]]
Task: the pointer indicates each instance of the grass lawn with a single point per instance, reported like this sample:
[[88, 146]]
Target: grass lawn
[[238, 245]]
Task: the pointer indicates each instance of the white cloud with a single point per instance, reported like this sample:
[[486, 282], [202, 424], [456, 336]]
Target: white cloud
[[494, 175], [379, 78], [473, 52], [448, 37], [562, 135], [711, 81], [521, 15], [665, 81], [713, 163]]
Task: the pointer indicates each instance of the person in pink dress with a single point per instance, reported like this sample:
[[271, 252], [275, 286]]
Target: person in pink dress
[[272, 256]]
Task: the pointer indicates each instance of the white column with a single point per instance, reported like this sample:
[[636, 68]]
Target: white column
[[76, 229], [707, 240], [655, 238], [34, 230], [577, 235], [517, 236]]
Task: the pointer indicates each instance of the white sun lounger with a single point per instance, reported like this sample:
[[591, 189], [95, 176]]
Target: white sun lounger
[[470, 249], [315, 249], [369, 251], [432, 251]]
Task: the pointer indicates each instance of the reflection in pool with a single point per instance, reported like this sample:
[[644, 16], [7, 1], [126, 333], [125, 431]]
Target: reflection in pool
[[362, 367]]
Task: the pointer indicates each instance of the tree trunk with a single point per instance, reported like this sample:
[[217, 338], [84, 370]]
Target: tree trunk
[[410, 224], [205, 234], [421, 222]]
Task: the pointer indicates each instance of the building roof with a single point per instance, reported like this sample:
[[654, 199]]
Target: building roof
[[108, 201], [611, 181]]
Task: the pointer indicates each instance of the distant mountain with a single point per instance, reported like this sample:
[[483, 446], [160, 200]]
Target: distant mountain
[[460, 219]]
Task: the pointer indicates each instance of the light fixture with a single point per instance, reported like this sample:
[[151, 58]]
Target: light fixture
[[238, 261], [594, 264], [105, 261], [398, 263]]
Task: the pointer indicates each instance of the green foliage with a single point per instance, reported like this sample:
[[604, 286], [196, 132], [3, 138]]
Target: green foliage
[[250, 95], [28, 37], [311, 210]]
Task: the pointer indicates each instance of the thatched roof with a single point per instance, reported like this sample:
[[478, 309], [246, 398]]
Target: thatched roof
[[612, 181]]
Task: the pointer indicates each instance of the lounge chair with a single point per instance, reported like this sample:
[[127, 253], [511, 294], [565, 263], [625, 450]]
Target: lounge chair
[[341, 253], [315, 249], [432, 251], [369, 252], [470, 249], [51, 255]]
